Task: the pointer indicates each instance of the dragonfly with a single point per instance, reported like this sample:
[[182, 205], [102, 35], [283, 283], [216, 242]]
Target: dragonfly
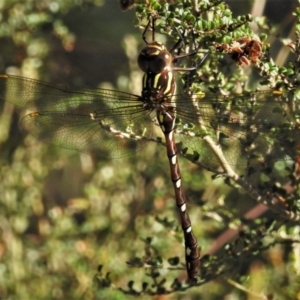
[[259, 125]]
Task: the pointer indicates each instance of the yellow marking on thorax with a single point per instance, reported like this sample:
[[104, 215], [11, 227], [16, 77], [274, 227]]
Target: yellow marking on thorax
[[169, 84], [155, 81]]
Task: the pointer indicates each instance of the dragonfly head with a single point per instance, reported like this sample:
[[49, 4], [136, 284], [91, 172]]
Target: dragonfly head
[[154, 58]]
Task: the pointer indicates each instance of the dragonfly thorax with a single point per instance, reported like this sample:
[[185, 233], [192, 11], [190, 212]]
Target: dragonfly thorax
[[158, 87], [154, 58]]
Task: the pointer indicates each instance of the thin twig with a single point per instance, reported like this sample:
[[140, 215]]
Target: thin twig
[[242, 288]]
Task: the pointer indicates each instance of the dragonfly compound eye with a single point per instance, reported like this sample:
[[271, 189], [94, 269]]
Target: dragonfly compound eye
[[154, 58]]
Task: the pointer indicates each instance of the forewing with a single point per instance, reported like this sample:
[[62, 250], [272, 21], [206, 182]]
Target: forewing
[[256, 126], [106, 122]]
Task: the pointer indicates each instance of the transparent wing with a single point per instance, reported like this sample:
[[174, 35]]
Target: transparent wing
[[112, 122], [260, 125], [256, 126]]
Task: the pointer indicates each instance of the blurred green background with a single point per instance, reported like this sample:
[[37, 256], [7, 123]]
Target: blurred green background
[[63, 213]]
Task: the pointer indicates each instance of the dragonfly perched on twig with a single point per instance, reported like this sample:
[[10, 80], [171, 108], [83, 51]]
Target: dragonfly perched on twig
[[254, 125]]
